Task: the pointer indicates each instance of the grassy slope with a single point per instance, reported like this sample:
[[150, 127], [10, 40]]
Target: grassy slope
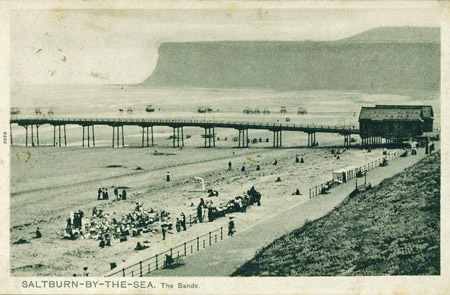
[[392, 229]]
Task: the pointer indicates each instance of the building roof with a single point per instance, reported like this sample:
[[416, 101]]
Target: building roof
[[391, 114], [427, 111]]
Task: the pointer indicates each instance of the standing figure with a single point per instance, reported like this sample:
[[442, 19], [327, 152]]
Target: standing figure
[[116, 193], [231, 227], [243, 167], [168, 177], [229, 166], [38, 233], [275, 162], [183, 221], [124, 194], [163, 231], [297, 160], [258, 166], [178, 225], [99, 193]]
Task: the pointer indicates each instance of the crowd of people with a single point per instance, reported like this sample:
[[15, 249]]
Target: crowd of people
[[102, 194], [207, 211]]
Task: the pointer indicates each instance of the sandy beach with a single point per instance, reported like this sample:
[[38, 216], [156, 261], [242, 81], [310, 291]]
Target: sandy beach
[[72, 187]]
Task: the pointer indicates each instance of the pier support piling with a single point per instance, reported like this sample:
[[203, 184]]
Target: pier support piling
[[177, 137], [210, 137], [243, 138], [277, 138], [116, 136]]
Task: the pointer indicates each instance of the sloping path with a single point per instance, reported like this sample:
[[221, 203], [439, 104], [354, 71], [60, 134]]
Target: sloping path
[[225, 257]]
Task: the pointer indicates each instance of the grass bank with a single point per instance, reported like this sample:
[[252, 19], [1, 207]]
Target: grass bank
[[393, 229]]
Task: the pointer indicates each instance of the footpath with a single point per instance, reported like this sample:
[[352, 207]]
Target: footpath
[[223, 258]]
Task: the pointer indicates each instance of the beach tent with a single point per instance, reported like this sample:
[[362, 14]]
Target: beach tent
[[342, 175]]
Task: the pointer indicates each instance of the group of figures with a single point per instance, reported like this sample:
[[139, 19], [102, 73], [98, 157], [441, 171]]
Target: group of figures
[[207, 210], [102, 194]]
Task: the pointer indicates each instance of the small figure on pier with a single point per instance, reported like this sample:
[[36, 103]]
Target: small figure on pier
[[168, 176]]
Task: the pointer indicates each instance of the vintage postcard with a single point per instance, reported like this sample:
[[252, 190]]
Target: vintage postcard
[[224, 147]]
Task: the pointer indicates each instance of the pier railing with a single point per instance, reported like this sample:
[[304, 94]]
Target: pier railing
[[185, 122], [158, 261], [319, 189]]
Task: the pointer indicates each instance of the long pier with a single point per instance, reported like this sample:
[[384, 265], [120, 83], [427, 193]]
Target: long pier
[[147, 125]]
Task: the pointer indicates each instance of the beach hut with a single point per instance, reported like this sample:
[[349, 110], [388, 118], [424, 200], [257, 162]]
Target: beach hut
[[342, 175]]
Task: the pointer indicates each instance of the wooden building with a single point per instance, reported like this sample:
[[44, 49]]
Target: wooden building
[[394, 123], [427, 114]]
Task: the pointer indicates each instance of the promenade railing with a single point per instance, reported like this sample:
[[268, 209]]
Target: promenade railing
[[158, 261], [321, 188]]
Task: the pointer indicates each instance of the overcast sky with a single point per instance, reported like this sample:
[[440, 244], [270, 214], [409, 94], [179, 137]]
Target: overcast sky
[[121, 46]]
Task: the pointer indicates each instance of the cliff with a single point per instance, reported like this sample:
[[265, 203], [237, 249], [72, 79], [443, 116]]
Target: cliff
[[384, 58]]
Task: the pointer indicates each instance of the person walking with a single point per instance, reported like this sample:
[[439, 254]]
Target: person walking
[[231, 227], [229, 166]]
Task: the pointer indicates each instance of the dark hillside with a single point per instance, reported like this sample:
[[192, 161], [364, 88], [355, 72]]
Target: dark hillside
[[393, 229]]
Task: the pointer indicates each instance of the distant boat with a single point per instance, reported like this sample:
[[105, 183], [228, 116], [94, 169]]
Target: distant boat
[[15, 111], [149, 108], [283, 109], [266, 112], [129, 110], [302, 111], [248, 111], [37, 111], [50, 112]]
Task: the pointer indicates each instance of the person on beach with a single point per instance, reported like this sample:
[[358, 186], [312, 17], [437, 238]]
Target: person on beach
[[258, 166], [275, 162], [183, 221], [178, 225], [38, 233], [231, 227], [116, 193], [85, 271], [163, 231], [302, 161], [124, 194], [168, 176], [229, 166], [243, 167], [99, 193], [106, 195], [297, 160]]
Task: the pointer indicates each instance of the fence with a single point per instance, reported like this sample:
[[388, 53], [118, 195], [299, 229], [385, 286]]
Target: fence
[[319, 189], [158, 261]]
